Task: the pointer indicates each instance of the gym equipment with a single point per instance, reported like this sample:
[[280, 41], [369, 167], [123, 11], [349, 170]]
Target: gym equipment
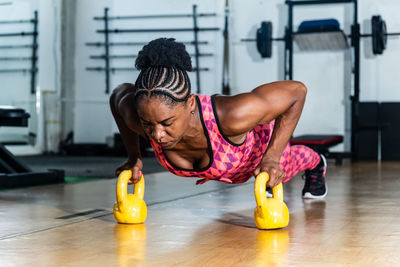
[[379, 35], [226, 90], [390, 121], [18, 70], [321, 144], [158, 30], [324, 25], [379, 39], [129, 208], [322, 35], [130, 69], [15, 46], [366, 138], [34, 34], [16, 58], [13, 173], [107, 31], [264, 33], [270, 213], [136, 43], [264, 39], [155, 16], [134, 56]]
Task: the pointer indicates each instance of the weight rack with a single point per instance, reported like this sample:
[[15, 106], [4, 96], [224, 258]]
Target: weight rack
[[355, 45], [107, 44], [33, 46]]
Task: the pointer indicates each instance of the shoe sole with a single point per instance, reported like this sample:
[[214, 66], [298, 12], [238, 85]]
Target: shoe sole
[[308, 195]]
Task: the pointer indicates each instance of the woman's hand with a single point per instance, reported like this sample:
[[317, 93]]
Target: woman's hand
[[135, 167], [276, 175]]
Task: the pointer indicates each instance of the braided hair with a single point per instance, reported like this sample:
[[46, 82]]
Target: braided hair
[[163, 65]]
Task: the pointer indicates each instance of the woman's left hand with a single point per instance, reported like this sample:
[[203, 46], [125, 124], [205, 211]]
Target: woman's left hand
[[276, 175]]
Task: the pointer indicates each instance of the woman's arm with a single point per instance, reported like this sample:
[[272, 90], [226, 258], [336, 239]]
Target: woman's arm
[[124, 113], [282, 101]]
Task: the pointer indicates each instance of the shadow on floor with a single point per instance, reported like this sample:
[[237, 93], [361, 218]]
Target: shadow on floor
[[86, 166]]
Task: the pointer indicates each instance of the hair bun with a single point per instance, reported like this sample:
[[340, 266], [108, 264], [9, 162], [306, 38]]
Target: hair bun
[[164, 52]]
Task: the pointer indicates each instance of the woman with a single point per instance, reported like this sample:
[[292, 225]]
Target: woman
[[224, 138]]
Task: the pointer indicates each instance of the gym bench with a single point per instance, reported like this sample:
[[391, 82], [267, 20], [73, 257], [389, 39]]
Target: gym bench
[[14, 173]]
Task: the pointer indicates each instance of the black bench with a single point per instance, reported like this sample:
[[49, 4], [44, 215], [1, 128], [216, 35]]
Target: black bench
[[14, 173], [322, 144]]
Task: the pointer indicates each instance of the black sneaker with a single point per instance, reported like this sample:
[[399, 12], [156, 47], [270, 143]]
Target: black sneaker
[[315, 186]]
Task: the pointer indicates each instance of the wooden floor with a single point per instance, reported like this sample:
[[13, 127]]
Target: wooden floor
[[358, 224]]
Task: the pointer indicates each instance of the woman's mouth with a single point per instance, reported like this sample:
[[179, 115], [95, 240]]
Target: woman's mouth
[[164, 144]]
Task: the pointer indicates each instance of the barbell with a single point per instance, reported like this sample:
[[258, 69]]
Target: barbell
[[379, 35]]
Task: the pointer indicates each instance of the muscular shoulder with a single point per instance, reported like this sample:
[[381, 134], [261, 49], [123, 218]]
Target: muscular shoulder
[[240, 113], [233, 113], [121, 92], [122, 102]]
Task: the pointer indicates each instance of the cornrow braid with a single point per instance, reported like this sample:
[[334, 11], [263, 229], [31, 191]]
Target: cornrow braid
[[163, 65], [171, 83]]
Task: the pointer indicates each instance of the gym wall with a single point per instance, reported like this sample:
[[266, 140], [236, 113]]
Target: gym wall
[[93, 120]]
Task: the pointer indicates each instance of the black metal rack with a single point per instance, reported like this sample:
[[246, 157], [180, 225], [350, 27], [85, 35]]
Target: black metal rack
[[355, 45], [107, 44], [33, 46]]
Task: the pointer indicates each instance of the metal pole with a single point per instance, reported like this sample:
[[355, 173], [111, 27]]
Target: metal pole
[[15, 58], [157, 16], [16, 70], [289, 45], [12, 34], [225, 64], [196, 47], [159, 30], [317, 2], [355, 99], [14, 46], [127, 69], [136, 43], [34, 53], [106, 46], [16, 21], [131, 56]]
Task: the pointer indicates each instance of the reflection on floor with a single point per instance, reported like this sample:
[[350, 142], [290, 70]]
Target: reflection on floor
[[207, 225]]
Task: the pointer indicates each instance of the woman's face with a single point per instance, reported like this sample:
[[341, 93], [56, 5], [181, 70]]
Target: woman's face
[[165, 124]]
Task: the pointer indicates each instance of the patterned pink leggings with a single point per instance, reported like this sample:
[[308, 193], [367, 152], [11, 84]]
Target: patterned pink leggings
[[297, 158]]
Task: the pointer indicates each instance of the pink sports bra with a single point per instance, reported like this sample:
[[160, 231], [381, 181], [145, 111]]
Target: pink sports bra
[[229, 162]]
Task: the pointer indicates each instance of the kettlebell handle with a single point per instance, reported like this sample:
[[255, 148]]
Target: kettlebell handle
[[122, 188], [260, 187]]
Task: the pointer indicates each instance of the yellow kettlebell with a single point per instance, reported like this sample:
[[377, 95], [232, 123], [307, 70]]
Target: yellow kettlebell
[[129, 208], [270, 213]]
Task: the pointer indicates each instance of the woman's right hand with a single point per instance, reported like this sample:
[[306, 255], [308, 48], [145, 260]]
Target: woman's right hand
[[135, 167]]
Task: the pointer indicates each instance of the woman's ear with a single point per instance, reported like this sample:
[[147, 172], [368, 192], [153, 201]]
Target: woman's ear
[[192, 102]]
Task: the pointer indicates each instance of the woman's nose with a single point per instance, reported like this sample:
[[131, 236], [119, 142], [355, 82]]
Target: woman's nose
[[157, 133]]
